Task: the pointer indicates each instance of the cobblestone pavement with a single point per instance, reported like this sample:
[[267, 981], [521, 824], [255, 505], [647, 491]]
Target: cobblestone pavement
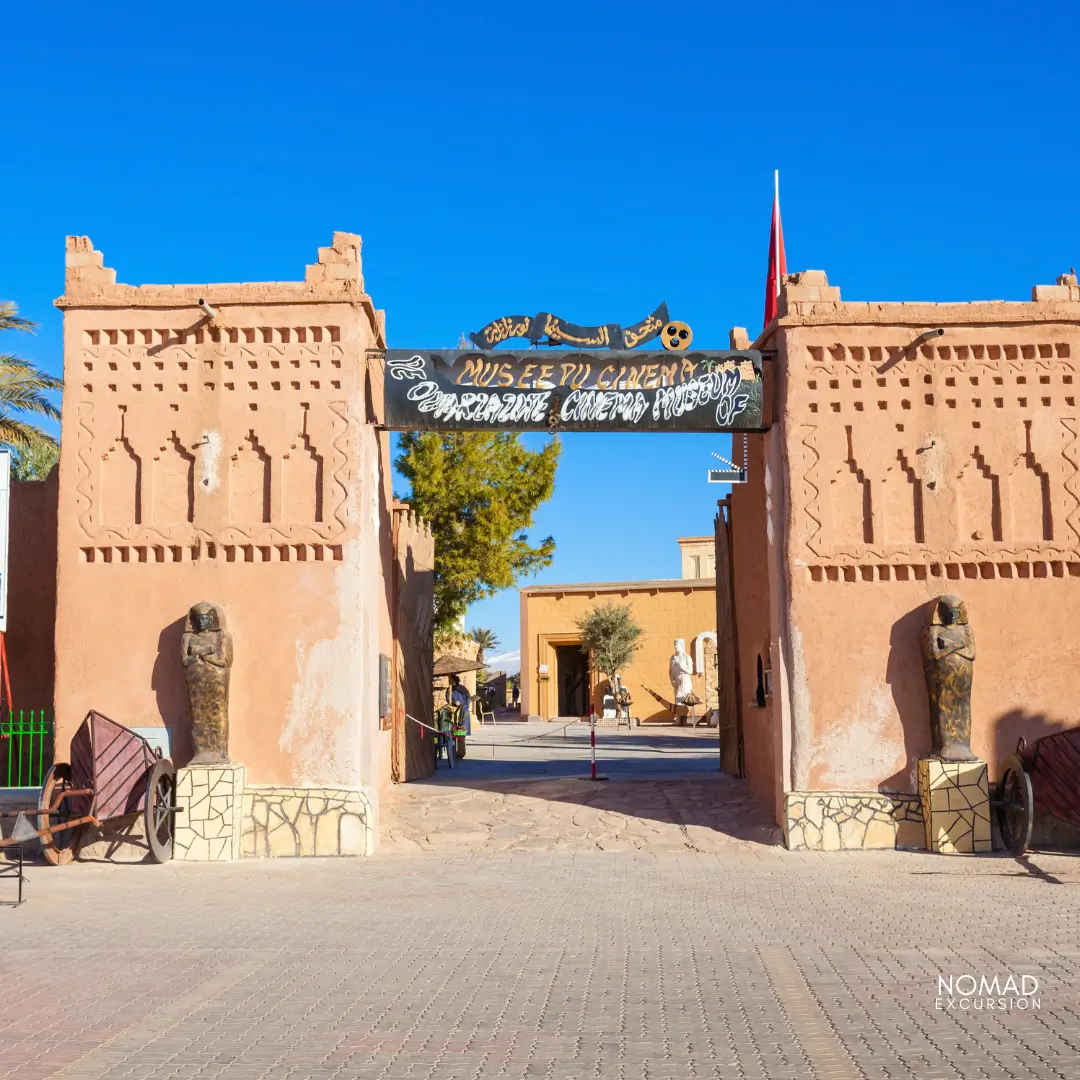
[[749, 963], [644, 928], [523, 788]]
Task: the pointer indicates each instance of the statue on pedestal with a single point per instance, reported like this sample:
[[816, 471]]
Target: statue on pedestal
[[207, 653], [680, 668], [948, 649]]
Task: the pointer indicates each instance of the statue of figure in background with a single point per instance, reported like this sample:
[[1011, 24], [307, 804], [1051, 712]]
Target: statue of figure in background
[[948, 648], [623, 701], [680, 668], [207, 653]]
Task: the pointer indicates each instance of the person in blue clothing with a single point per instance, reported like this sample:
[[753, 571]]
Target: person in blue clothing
[[460, 698]]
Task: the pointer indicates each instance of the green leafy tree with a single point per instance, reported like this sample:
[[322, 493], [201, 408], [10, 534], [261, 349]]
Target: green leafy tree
[[23, 390], [478, 491], [610, 636], [35, 462]]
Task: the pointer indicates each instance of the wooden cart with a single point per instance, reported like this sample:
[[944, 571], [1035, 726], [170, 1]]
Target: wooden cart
[[1046, 776], [113, 772]]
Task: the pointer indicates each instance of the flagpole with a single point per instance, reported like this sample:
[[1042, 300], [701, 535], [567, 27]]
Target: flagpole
[[776, 203]]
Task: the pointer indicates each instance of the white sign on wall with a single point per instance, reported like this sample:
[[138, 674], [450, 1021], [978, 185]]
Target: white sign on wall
[[5, 501]]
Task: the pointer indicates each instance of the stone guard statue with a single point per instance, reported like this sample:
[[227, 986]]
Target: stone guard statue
[[948, 649], [207, 653]]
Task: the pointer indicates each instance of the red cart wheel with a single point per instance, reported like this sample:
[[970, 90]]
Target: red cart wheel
[[60, 847], [1015, 805], [158, 814]]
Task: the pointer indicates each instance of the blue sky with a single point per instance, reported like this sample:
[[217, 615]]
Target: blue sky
[[590, 159]]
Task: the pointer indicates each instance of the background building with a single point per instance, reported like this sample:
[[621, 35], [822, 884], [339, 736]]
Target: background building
[[698, 555], [555, 676]]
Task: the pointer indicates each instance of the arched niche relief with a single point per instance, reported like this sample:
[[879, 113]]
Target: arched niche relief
[[249, 483], [979, 500], [845, 490], [302, 479], [698, 649], [173, 489], [906, 522], [1031, 509], [120, 482]]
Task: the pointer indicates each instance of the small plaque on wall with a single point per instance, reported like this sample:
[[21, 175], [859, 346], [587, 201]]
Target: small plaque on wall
[[159, 738]]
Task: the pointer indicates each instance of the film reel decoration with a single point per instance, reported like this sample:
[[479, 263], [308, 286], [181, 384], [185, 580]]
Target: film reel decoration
[[676, 337]]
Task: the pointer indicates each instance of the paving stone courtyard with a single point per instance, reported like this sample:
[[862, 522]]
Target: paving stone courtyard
[[522, 787], [524, 928]]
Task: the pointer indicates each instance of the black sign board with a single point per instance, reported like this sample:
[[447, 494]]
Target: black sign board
[[568, 390]]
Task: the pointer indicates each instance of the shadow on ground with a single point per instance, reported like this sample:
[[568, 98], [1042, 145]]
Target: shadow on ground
[[528, 788]]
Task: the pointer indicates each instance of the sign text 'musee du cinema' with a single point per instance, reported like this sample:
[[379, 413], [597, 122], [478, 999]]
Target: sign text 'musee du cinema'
[[564, 390]]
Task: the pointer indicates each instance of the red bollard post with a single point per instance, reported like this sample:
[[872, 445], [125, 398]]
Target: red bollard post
[[592, 745], [592, 740]]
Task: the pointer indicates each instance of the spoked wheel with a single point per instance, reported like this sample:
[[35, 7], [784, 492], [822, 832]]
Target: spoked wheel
[[1015, 806], [158, 813], [450, 750], [62, 845]]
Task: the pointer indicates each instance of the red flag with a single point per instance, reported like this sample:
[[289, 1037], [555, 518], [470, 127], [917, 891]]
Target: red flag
[[777, 260]]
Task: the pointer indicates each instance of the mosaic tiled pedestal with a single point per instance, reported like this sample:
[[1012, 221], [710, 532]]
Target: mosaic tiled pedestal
[[210, 827], [852, 820], [288, 822], [956, 806]]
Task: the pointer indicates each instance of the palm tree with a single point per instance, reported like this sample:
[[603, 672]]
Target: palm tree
[[22, 390], [486, 639]]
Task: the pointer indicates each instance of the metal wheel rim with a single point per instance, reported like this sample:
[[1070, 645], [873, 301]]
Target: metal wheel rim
[[61, 849], [1014, 811], [159, 819]]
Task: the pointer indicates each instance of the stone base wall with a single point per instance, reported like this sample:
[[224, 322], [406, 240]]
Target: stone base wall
[[287, 822], [852, 820], [956, 806], [212, 797]]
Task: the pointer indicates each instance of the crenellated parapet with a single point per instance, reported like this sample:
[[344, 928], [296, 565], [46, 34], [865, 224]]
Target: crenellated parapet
[[807, 299], [335, 277]]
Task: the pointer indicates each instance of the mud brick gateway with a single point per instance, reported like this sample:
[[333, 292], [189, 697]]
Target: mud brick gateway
[[242, 458]]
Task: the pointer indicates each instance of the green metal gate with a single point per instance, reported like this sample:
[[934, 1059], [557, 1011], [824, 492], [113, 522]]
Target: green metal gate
[[26, 747]]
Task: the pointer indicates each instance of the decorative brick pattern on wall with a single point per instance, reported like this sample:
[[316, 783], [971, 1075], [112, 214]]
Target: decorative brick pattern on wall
[[211, 799], [229, 430], [284, 822], [961, 449], [956, 806], [852, 820]]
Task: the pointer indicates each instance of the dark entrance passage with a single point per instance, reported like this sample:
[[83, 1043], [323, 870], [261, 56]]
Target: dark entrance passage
[[572, 671]]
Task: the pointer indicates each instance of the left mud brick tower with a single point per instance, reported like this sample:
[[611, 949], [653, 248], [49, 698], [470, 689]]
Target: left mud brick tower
[[227, 457]]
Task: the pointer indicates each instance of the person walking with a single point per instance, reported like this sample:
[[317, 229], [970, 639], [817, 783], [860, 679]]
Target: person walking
[[462, 701], [516, 695]]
